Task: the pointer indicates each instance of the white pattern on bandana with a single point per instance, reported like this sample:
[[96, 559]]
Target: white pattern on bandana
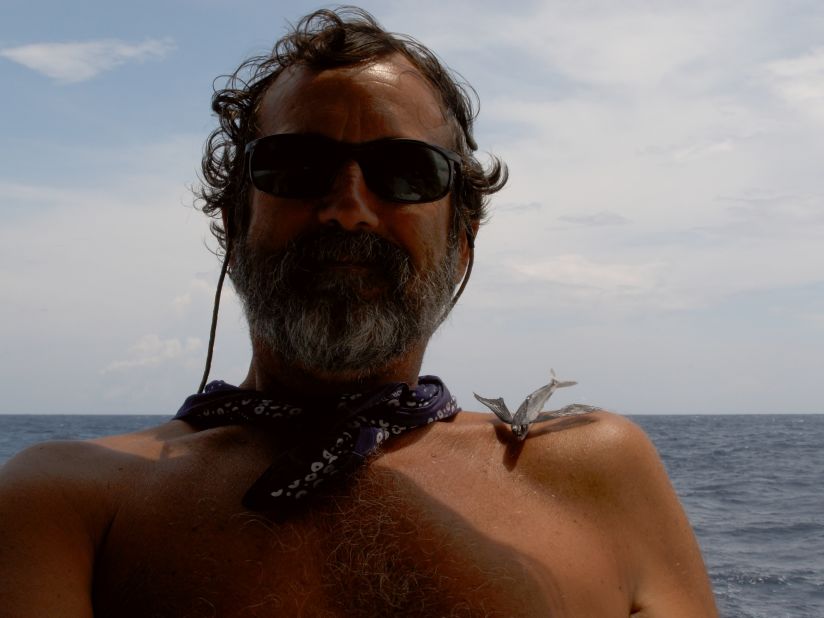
[[366, 421]]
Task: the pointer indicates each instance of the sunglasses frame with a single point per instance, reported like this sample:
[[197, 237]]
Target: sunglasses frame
[[350, 151]]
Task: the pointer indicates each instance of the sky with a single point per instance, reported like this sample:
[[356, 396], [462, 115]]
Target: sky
[[659, 241]]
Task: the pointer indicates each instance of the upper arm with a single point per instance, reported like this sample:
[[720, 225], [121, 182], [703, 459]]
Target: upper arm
[[47, 534], [641, 507]]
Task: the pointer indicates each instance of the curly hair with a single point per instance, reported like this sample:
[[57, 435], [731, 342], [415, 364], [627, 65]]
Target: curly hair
[[328, 39]]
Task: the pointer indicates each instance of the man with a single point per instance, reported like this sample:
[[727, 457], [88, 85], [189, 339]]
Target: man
[[348, 199]]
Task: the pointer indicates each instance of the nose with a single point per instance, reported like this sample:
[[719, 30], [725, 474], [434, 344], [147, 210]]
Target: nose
[[350, 204]]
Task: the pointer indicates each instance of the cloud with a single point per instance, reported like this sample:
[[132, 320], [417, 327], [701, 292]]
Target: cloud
[[597, 44], [577, 270], [597, 219], [199, 289], [792, 218], [800, 81], [82, 61], [151, 350]]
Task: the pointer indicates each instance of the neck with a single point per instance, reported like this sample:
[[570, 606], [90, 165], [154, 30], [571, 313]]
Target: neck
[[269, 372]]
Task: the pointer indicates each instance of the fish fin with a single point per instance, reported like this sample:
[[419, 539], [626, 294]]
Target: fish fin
[[573, 409], [565, 384], [497, 406]]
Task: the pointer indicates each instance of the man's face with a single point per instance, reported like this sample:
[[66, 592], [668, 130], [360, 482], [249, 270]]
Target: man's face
[[347, 282]]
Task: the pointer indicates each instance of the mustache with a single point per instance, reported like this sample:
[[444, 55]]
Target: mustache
[[313, 251], [332, 244]]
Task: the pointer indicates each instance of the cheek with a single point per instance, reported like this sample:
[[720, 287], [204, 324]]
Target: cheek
[[427, 234], [272, 222]]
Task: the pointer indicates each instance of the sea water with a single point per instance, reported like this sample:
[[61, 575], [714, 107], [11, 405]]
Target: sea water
[[752, 486]]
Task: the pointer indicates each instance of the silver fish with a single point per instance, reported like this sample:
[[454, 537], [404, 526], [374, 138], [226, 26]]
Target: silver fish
[[529, 412]]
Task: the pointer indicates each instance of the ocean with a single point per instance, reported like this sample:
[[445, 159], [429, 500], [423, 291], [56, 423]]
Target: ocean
[[752, 486]]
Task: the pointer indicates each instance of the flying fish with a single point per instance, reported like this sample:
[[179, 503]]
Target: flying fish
[[529, 412]]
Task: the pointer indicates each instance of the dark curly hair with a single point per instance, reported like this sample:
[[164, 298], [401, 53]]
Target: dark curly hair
[[328, 39]]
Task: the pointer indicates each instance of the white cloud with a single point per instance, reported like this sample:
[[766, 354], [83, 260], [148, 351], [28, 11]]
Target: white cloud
[[81, 61], [811, 63], [198, 289], [151, 350], [620, 47], [681, 119], [629, 44], [800, 81], [577, 270]]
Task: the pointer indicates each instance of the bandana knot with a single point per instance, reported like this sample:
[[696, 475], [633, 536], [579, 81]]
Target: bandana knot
[[361, 423]]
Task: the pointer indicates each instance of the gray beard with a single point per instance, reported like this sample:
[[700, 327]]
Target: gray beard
[[340, 321]]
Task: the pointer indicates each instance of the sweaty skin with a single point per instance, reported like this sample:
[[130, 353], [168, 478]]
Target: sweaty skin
[[455, 519]]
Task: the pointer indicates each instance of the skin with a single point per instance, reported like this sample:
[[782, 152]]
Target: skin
[[357, 104], [455, 519]]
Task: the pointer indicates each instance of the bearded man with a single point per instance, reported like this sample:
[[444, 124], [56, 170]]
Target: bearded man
[[334, 481]]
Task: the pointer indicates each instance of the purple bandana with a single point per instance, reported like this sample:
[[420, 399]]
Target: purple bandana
[[361, 422]]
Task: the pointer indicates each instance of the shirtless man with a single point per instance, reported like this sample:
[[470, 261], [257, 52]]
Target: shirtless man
[[346, 264]]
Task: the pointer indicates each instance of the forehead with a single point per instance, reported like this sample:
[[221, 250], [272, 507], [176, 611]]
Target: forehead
[[384, 98]]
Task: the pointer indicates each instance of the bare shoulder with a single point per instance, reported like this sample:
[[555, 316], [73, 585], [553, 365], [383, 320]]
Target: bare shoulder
[[57, 500], [606, 462], [81, 476], [588, 441], [598, 457], [603, 467], [600, 446], [82, 462]]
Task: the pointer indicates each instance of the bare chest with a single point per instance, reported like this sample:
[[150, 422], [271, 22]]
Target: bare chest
[[392, 544]]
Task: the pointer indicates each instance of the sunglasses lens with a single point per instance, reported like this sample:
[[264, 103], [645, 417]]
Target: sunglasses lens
[[293, 166], [300, 166], [406, 171]]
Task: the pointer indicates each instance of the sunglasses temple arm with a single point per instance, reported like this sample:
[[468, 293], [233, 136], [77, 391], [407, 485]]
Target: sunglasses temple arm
[[213, 329]]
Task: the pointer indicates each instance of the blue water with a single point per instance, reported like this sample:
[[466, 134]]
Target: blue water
[[752, 486]]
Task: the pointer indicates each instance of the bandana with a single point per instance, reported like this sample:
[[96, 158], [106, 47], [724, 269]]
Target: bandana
[[340, 433]]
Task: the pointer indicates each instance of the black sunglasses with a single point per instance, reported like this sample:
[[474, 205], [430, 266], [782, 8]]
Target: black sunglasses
[[304, 166]]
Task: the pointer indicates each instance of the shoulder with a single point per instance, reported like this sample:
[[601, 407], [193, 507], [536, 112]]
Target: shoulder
[[53, 484], [600, 458], [593, 439], [66, 457], [57, 501], [590, 456], [73, 471], [54, 513], [601, 471], [606, 467], [600, 462], [55, 462], [598, 443]]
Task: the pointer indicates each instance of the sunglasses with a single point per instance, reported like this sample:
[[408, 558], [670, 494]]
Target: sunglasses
[[305, 166]]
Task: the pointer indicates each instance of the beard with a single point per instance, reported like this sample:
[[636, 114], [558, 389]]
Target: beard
[[338, 302]]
